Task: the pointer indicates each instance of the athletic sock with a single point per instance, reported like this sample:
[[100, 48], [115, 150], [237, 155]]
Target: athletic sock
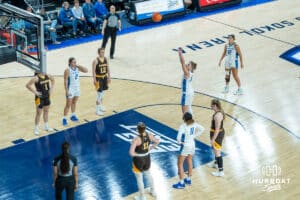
[[220, 163]]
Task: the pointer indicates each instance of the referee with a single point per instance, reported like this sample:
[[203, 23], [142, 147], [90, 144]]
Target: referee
[[65, 173], [111, 25]]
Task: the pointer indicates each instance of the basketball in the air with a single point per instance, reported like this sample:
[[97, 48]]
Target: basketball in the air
[[156, 17]]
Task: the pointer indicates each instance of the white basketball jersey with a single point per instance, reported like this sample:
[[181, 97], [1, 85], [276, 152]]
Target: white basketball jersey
[[231, 54], [187, 133], [73, 79], [187, 86]]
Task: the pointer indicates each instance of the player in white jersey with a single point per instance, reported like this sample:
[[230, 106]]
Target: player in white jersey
[[72, 88], [233, 54], [186, 138], [186, 86]]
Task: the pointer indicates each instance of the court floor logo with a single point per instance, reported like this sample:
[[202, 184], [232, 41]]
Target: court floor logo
[[272, 178]]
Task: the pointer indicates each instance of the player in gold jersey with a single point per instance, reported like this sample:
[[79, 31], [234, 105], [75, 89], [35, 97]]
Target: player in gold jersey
[[43, 89], [140, 152], [217, 134], [101, 78]]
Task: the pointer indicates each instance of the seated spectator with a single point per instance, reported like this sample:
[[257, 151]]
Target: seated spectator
[[101, 10], [90, 15], [18, 25], [67, 18], [78, 14], [29, 27], [49, 26]]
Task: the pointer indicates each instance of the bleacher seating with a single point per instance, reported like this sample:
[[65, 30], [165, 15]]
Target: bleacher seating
[[52, 8]]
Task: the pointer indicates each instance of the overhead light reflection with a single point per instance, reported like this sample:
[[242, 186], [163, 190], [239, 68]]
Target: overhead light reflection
[[233, 154], [266, 145], [161, 184], [247, 148], [115, 189], [88, 191]]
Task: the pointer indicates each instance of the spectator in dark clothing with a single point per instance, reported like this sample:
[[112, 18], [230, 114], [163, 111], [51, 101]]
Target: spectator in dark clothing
[[67, 18], [111, 25], [90, 15]]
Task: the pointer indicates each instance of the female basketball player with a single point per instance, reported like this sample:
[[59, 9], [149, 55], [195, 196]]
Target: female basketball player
[[187, 87], [217, 133], [72, 89], [101, 78], [43, 89], [139, 150], [232, 52], [186, 138]]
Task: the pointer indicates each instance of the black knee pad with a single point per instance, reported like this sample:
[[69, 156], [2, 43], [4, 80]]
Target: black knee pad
[[227, 78]]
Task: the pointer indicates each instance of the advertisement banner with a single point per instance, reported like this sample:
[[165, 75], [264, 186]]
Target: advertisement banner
[[145, 9], [211, 2]]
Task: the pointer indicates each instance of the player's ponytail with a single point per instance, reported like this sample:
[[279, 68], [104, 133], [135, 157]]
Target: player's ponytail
[[217, 103], [64, 163], [141, 127]]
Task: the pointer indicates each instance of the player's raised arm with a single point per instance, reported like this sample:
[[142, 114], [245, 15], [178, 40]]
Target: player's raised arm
[[82, 69], [182, 61]]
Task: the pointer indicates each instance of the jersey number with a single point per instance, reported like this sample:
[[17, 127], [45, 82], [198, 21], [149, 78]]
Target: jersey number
[[103, 70], [146, 145], [192, 130], [46, 87]]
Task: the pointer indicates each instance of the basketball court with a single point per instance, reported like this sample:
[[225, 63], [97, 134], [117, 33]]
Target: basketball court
[[261, 146]]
